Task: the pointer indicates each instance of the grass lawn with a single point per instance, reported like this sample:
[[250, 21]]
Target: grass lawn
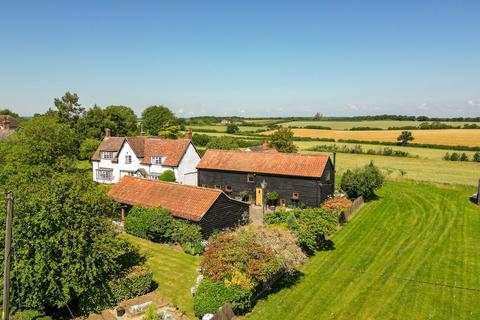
[[411, 254], [173, 270]]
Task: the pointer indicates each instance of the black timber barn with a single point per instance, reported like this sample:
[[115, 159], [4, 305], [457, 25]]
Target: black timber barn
[[298, 179], [210, 208]]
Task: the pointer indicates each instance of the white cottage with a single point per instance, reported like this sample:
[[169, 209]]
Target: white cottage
[[146, 157]]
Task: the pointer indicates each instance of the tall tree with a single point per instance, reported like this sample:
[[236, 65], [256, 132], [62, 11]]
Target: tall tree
[[282, 140], [121, 120], [156, 119], [68, 108], [405, 137]]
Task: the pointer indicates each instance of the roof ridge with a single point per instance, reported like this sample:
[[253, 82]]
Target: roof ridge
[[177, 184], [279, 153]]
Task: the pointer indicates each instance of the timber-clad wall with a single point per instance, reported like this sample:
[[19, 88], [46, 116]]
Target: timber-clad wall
[[225, 213], [313, 191]]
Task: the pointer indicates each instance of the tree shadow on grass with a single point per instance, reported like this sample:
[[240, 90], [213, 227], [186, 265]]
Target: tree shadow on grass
[[326, 245], [283, 282]]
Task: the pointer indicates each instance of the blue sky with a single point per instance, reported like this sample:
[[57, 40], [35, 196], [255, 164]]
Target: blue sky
[[251, 58]]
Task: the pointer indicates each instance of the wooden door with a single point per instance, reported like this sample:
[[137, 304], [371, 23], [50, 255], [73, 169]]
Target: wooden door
[[259, 197]]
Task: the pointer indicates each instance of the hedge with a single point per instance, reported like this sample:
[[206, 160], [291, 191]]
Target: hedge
[[154, 224], [210, 296], [137, 281]]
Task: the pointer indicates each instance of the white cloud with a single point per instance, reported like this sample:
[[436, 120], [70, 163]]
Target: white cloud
[[424, 106], [473, 103], [352, 106], [242, 111], [181, 111]]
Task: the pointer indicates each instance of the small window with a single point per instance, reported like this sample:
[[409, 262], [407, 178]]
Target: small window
[[156, 160], [104, 174], [228, 188], [295, 196], [218, 186], [128, 159], [250, 178], [328, 177], [283, 202], [130, 173], [107, 155], [204, 186]]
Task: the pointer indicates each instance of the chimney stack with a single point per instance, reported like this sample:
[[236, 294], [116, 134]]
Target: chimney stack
[[6, 124], [188, 134], [107, 132]]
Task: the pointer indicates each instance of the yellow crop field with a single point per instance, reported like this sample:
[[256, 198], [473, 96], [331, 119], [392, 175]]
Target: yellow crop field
[[452, 137]]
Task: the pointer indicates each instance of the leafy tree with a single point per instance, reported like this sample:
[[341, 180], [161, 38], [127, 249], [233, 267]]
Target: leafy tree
[[88, 148], [121, 120], [318, 116], [168, 176], [282, 140], [69, 109], [63, 241], [170, 129], [157, 118], [200, 140], [454, 156], [405, 137], [232, 128], [464, 157], [42, 141], [476, 156], [362, 181], [8, 112]]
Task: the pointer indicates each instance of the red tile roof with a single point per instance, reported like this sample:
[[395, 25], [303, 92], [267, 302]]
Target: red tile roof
[[147, 147], [183, 201], [13, 122], [291, 164]]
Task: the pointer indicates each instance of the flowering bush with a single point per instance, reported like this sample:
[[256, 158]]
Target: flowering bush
[[338, 203]]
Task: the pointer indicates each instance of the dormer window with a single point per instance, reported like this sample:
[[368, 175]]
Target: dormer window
[[107, 155], [156, 160]]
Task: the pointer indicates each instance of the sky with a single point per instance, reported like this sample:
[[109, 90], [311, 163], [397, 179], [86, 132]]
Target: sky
[[245, 58]]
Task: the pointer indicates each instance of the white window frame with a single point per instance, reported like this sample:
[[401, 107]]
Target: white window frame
[[107, 155], [104, 174], [153, 176], [156, 160], [250, 175], [128, 159]]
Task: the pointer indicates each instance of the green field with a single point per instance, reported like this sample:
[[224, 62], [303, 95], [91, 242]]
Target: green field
[[424, 153], [411, 254], [222, 128], [174, 271], [346, 125]]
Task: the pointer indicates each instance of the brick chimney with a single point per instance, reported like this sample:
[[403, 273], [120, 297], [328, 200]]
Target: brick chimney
[[6, 124], [107, 132], [188, 134]]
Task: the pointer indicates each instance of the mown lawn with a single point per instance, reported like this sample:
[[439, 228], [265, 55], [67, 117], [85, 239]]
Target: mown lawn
[[174, 271], [411, 254]]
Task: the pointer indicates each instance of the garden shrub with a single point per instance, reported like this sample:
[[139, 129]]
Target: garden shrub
[[338, 203], [168, 176], [362, 181], [210, 296], [31, 315], [189, 236], [309, 225], [135, 282], [154, 224]]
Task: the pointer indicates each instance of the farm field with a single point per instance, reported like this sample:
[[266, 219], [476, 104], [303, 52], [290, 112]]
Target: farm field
[[222, 128], [346, 125], [174, 271], [452, 137], [426, 170], [411, 254], [424, 153]]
